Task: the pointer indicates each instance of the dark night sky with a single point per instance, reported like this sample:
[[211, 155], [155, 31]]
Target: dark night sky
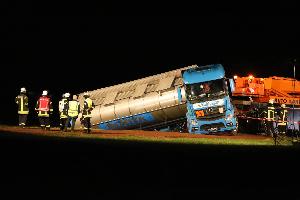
[[78, 50]]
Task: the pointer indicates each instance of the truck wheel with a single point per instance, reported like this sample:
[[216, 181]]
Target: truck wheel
[[234, 132]]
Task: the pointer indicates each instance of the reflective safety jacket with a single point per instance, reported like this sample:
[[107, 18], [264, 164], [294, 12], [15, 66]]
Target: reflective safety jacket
[[283, 113], [63, 112], [73, 108], [271, 112], [88, 106], [22, 101], [44, 106]]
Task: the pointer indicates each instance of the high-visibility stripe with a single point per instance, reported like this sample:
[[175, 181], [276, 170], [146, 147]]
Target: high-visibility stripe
[[22, 107], [23, 112], [43, 114]]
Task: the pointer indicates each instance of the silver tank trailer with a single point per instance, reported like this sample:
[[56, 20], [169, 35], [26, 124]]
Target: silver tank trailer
[[141, 103]]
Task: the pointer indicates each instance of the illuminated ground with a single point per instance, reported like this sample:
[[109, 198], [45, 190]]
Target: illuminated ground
[[155, 136]]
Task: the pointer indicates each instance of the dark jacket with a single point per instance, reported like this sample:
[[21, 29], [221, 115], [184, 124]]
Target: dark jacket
[[22, 101]]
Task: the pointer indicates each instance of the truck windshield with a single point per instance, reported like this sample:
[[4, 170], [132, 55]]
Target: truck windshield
[[206, 90]]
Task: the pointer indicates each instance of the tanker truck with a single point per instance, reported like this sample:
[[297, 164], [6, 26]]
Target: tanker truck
[[159, 102]]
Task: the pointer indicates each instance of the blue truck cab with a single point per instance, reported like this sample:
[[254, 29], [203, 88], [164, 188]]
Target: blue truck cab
[[209, 106]]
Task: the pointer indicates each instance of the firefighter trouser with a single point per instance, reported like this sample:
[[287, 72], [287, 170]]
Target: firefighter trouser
[[282, 128], [270, 127], [87, 124], [71, 120], [44, 122], [63, 123], [22, 119]]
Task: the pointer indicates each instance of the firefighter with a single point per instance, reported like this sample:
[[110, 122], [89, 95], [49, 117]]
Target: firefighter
[[88, 106], [282, 117], [63, 115], [73, 110], [270, 117], [44, 109], [23, 110]]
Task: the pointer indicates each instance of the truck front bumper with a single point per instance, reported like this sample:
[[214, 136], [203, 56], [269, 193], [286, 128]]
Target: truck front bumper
[[207, 127]]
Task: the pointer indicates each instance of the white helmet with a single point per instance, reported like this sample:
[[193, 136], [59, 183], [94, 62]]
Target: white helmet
[[67, 95], [283, 105], [86, 94], [45, 93], [23, 90], [271, 101]]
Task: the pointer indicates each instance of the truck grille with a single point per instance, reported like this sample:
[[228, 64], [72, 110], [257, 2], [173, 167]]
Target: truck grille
[[211, 113], [209, 127]]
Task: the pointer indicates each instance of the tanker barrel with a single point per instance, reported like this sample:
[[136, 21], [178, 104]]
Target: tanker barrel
[[148, 101]]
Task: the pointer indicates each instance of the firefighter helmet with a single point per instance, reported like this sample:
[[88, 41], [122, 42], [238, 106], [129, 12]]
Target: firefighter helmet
[[283, 105], [86, 94], [23, 90], [67, 95], [271, 101], [45, 93]]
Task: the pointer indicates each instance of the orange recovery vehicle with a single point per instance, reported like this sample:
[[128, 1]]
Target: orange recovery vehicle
[[252, 94]]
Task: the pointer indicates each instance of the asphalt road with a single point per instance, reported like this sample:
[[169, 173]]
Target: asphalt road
[[38, 167]]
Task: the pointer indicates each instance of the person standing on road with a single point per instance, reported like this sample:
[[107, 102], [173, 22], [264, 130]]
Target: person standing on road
[[63, 113], [23, 110], [44, 109], [88, 106], [282, 117], [73, 110], [270, 117]]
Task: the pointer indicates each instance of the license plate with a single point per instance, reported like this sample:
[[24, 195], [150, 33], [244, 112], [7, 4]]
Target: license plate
[[199, 113]]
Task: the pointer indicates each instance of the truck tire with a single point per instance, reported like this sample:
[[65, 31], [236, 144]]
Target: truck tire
[[234, 132]]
